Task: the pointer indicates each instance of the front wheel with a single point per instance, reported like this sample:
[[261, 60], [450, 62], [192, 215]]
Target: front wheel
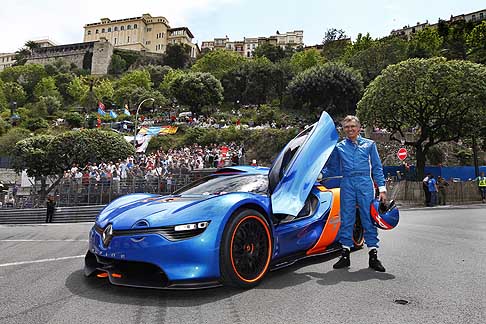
[[246, 249]]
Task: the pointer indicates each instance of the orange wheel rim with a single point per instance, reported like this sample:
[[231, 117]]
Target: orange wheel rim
[[249, 240]]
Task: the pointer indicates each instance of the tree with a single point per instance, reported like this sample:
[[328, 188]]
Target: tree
[[47, 106], [332, 87], [334, 43], [103, 90], [304, 60], [43, 156], [361, 43], [455, 39], [424, 44], [14, 92], [476, 42], [218, 62], [272, 52], [23, 54], [436, 97], [89, 145], [78, 89], [252, 82], [46, 87], [333, 34], [371, 58], [117, 65], [3, 98], [157, 73], [177, 55], [26, 75], [134, 86], [34, 155], [197, 90], [10, 138]]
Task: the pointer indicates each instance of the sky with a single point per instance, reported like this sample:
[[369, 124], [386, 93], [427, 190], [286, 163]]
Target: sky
[[62, 21]]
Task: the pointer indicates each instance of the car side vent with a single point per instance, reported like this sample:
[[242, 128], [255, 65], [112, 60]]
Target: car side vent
[[173, 235]]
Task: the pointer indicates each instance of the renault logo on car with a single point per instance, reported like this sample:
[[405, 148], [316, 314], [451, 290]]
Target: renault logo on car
[[107, 235]]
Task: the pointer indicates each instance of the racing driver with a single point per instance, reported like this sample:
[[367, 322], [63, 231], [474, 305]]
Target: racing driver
[[357, 160]]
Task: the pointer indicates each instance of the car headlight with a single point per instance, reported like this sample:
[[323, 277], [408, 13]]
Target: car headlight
[[191, 227], [183, 231]]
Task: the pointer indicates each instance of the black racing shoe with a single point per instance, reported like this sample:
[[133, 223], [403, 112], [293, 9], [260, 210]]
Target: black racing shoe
[[375, 264], [344, 261]]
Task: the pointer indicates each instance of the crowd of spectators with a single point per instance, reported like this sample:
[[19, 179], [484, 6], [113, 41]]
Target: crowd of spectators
[[159, 164]]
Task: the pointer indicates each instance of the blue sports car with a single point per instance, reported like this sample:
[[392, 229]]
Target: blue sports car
[[230, 228]]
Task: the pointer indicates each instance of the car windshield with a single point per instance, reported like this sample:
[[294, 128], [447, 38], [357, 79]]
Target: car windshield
[[218, 185]]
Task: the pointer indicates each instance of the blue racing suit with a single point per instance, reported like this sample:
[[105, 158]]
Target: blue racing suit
[[359, 164]]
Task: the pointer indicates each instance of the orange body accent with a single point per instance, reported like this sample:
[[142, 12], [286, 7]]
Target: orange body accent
[[332, 225], [116, 275], [102, 275], [251, 247]]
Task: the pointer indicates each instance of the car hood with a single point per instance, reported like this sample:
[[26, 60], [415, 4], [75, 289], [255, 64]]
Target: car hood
[[151, 211], [298, 165]]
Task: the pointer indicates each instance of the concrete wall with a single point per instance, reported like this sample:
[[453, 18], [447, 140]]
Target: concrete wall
[[78, 54], [102, 52]]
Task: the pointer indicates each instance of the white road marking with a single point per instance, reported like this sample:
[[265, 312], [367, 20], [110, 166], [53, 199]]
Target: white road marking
[[40, 261], [66, 240]]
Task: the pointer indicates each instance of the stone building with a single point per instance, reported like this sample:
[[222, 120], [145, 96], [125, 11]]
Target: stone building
[[408, 31], [292, 39], [144, 33]]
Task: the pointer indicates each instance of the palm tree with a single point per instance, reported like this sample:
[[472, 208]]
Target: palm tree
[[23, 54]]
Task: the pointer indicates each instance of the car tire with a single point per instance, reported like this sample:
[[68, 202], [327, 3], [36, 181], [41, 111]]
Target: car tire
[[246, 249], [358, 232]]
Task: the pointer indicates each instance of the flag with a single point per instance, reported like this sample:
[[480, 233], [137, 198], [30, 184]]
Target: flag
[[113, 114], [101, 108], [126, 111]]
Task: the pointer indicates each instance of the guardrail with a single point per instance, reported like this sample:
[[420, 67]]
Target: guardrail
[[38, 215]]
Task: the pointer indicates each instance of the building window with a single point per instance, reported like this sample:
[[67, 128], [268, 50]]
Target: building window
[[115, 41], [147, 43], [129, 27], [149, 29], [97, 32], [109, 29], [102, 30], [128, 39], [473, 17], [115, 28], [135, 26], [122, 27], [89, 32], [481, 16]]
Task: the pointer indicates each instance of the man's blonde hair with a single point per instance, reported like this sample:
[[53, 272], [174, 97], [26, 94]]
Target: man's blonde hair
[[351, 118]]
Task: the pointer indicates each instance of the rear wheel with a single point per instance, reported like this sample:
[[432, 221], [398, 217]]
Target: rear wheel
[[246, 249], [358, 232]]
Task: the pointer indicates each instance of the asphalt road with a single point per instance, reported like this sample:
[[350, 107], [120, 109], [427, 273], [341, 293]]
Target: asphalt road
[[435, 261]]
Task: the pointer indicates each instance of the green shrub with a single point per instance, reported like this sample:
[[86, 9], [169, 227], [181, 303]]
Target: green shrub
[[74, 119], [36, 123]]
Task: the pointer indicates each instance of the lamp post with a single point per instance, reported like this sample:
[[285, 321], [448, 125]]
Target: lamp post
[[136, 120]]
